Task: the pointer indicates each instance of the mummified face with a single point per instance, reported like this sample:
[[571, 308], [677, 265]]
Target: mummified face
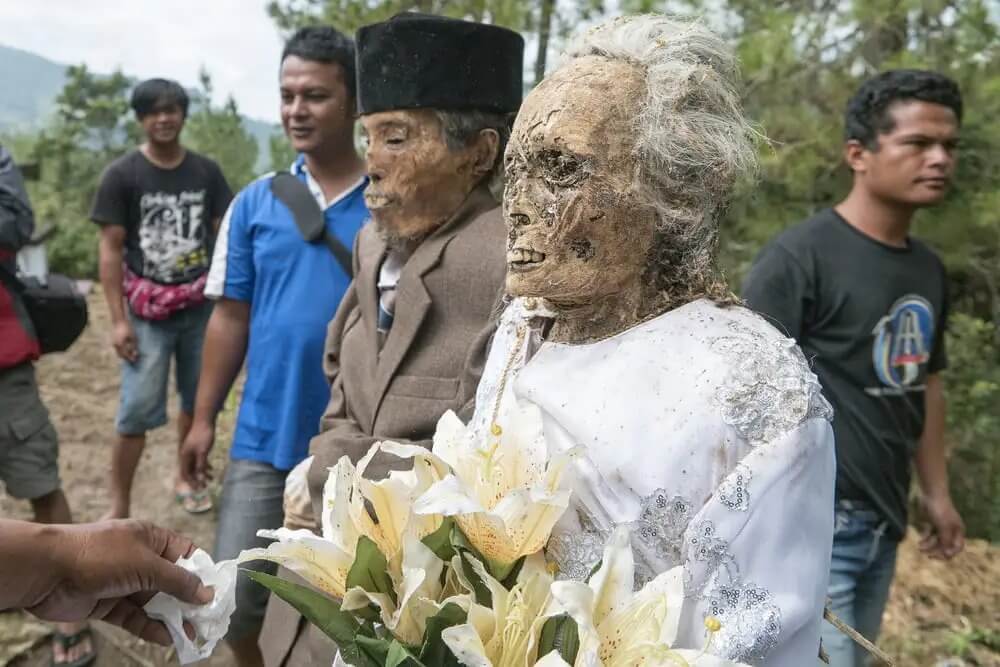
[[576, 231], [416, 181]]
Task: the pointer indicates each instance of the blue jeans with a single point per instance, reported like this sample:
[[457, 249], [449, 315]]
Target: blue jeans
[[864, 561], [142, 404]]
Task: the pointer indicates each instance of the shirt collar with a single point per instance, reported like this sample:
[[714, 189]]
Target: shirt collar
[[300, 168]]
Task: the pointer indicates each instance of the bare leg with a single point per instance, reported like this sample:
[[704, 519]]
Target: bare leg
[[124, 460], [183, 426], [247, 652], [54, 508]]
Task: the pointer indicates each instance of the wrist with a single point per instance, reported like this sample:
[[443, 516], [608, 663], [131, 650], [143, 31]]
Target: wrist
[[203, 419], [57, 553], [936, 495]]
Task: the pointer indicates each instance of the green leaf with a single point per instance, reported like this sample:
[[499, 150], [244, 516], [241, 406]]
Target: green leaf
[[559, 634], [464, 548], [400, 655], [372, 650], [440, 540], [434, 651], [510, 579], [370, 571], [320, 610], [387, 652]]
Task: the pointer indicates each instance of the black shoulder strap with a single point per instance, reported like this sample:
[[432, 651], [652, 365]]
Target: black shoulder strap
[[10, 280], [295, 194]]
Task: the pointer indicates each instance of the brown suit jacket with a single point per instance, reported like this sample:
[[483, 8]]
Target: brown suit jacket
[[430, 363]]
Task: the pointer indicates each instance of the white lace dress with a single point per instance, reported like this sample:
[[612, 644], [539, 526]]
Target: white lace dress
[[706, 432]]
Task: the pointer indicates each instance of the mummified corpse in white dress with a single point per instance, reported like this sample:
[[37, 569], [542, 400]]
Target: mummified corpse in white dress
[[704, 430]]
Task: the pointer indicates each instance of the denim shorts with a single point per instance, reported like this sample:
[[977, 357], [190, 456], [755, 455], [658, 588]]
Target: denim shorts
[[252, 495], [142, 404]]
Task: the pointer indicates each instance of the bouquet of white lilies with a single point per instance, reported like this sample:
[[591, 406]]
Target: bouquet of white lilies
[[444, 564]]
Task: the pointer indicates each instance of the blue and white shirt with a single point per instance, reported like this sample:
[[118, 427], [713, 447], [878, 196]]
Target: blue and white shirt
[[293, 288]]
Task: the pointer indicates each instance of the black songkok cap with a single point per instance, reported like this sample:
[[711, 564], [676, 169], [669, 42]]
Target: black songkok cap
[[419, 61]]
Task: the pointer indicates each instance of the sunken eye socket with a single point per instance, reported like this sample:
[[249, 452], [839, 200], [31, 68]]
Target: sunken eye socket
[[562, 169], [557, 169]]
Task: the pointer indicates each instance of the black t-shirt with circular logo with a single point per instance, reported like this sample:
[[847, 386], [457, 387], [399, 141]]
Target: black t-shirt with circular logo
[[871, 319], [167, 213]]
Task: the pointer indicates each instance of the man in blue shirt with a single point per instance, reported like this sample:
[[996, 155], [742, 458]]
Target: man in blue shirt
[[275, 293]]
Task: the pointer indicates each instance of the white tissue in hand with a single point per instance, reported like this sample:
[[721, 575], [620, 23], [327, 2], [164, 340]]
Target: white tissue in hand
[[210, 621]]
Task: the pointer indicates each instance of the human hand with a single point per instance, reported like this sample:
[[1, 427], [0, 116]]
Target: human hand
[[945, 537], [109, 570], [124, 341], [195, 469]]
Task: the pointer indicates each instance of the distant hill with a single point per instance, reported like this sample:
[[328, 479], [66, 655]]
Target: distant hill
[[29, 85]]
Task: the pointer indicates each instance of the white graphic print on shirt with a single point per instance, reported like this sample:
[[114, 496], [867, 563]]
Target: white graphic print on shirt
[[172, 235]]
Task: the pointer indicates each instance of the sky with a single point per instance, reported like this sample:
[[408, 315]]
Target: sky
[[234, 40]]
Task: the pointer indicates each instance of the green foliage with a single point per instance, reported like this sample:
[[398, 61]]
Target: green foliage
[[282, 153], [360, 642], [92, 126], [440, 540], [973, 390], [218, 132], [467, 553], [349, 15], [960, 643], [370, 571], [801, 61], [544, 24], [318, 609], [434, 651], [561, 634]]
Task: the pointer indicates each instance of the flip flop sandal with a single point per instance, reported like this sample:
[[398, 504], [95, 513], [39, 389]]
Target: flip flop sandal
[[194, 502], [67, 642]]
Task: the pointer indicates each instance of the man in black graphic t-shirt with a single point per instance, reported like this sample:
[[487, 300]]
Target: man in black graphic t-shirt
[[868, 305], [158, 208], [167, 214]]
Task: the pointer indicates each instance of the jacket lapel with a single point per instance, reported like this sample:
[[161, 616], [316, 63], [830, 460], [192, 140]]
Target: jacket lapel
[[412, 299]]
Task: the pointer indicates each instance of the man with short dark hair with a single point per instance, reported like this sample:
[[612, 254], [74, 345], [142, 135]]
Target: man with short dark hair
[[408, 343], [868, 303], [158, 208], [275, 294]]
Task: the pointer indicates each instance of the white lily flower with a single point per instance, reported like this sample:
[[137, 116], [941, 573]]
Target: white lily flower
[[505, 494], [502, 635], [391, 499], [324, 561], [619, 628], [417, 591]]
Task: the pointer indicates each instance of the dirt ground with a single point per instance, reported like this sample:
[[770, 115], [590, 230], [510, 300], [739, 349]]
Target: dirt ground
[[940, 614]]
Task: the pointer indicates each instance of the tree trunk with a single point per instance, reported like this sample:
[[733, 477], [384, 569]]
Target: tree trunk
[[544, 28]]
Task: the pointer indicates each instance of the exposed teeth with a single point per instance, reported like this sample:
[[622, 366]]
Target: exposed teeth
[[374, 200], [524, 256]]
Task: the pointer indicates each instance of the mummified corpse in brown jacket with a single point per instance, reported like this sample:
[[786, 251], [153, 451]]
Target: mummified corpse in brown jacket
[[429, 363]]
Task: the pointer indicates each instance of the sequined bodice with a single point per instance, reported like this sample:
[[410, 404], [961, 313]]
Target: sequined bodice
[[670, 415]]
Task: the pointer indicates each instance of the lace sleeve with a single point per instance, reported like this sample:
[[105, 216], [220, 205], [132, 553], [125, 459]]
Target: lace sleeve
[[757, 555]]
